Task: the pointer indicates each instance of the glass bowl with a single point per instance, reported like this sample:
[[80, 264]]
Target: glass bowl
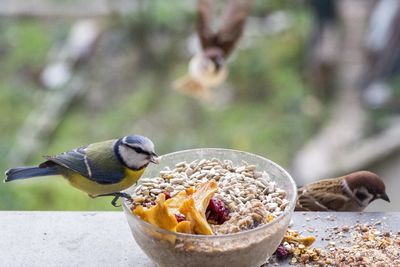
[[247, 248]]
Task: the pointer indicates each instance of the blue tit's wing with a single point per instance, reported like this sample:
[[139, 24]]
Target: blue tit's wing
[[99, 166], [73, 160]]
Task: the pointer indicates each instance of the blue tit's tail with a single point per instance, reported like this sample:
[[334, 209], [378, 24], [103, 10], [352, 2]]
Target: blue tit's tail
[[29, 172]]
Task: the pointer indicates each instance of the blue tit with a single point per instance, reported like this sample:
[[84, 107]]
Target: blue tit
[[99, 169]]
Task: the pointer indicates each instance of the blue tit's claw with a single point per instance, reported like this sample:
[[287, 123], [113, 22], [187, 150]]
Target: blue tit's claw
[[117, 195], [114, 202], [125, 195]]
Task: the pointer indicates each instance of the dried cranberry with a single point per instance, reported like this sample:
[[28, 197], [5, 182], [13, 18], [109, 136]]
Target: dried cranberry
[[217, 211], [167, 195], [281, 253], [180, 217]]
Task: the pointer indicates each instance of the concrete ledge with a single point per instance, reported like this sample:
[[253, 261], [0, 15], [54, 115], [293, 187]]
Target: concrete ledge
[[104, 238]]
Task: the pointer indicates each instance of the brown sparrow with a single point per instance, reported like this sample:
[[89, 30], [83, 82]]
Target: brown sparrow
[[208, 69], [352, 192]]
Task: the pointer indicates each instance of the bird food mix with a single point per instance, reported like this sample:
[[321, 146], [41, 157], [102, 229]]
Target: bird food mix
[[209, 197], [368, 244]]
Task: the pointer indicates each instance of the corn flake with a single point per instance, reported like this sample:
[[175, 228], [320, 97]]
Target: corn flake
[[175, 202], [158, 215], [199, 221], [203, 195], [184, 227], [190, 202]]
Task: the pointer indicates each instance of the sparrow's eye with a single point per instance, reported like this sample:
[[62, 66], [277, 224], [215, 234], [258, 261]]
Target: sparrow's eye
[[361, 196]]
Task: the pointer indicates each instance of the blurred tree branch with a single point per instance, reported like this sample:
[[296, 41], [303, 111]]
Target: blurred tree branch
[[63, 86], [42, 121], [371, 150], [320, 156]]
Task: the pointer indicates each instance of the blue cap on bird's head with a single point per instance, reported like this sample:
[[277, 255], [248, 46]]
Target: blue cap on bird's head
[[136, 151], [138, 139]]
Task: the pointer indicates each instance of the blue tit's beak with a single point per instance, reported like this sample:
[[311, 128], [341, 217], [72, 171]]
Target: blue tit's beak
[[385, 197], [154, 158]]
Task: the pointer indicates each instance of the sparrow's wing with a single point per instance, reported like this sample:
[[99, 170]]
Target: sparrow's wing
[[79, 161], [233, 25], [309, 200], [204, 31], [306, 202]]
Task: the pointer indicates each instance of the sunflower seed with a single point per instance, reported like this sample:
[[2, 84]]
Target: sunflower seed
[[155, 191]]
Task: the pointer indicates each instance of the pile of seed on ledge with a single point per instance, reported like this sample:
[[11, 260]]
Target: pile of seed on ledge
[[368, 247], [247, 195], [357, 245]]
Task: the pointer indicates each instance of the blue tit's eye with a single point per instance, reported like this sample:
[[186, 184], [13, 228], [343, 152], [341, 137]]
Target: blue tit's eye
[[139, 150]]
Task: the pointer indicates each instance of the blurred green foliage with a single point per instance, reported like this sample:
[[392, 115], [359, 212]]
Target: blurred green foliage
[[264, 115]]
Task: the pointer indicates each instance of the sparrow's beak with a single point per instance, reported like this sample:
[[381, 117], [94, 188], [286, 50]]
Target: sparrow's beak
[[154, 158], [385, 197]]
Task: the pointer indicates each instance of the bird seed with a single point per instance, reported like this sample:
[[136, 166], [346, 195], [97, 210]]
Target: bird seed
[[250, 195]]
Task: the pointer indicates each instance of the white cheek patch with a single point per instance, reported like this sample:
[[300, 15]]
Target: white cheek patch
[[131, 158], [346, 188]]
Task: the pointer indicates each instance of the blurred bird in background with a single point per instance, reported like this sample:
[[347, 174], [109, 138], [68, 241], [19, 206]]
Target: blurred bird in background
[[208, 69], [99, 169], [352, 192]]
